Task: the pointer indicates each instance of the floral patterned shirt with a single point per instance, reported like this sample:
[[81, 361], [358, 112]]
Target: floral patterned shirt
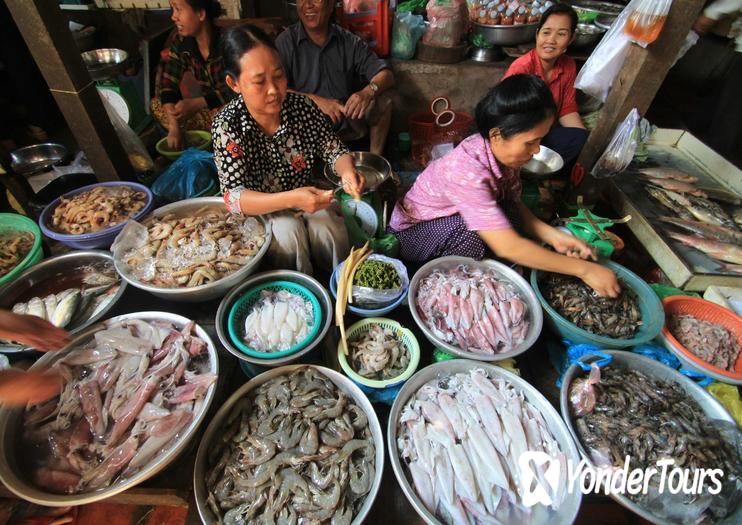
[[247, 158]]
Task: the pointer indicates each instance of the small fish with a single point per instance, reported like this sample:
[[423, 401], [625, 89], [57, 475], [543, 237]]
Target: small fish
[[718, 250], [660, 196], [66, 308], [676, 185], [668, 173], [50, 304], [720, 195], [732, 268], [36, 308], [20, 308], [717, 213], [709, 231], [737, 216]]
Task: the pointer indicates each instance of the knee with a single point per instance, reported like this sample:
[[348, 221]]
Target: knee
[[327, 226], [287, 230]]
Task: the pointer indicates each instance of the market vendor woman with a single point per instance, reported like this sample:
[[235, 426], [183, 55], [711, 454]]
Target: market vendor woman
[[470, 199], [266, 142]]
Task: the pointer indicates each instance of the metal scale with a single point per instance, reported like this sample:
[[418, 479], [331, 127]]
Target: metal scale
[[105, 67], [592, 228]]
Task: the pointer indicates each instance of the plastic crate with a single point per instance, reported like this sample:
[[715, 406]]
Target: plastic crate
[[373, 26], [424, 133]]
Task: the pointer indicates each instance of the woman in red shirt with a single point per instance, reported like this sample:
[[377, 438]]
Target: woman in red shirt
[[548, 61]]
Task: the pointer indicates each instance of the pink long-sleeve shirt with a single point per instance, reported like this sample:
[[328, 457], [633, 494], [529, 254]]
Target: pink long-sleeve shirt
[[468, 181]]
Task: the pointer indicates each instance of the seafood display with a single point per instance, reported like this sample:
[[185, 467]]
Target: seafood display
[[632, 414], [460, 438], [473, 308], [661, 172], [678, 186], [278, 321], [191, 251], [709, 341], [14, 246], [707, 231], [618, 318], [688, 207], [63, 307], [731, 253], [378, 354], [296, 449], [97, 209], [127, 395]]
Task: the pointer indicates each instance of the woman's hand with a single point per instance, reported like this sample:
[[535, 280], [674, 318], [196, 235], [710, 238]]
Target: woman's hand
[[353, 183], [19, 388], [601, 279], [310, 199], [186, 107], [570, 245], [32, 331], [175, 138]]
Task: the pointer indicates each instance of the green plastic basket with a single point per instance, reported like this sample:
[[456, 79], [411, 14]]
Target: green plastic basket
[[16, 222], [244, 305], [405, 336]]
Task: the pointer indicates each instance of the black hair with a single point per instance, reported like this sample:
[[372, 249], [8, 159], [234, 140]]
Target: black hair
[[236, 41], [212, 8], [517, 104], [559, 9]]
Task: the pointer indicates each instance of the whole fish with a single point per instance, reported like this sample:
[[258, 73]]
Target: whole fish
[[721, 195], [718, 250], [702, 209], [732, 268], [708, 231], [668, 173], [676, 185], [660, 196], [66, 307], [737, 216]]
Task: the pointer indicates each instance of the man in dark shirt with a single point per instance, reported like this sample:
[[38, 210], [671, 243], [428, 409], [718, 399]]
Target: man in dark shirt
[[337, 70]]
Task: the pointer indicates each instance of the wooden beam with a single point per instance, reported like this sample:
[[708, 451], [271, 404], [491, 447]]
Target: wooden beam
[[640, 78], [45, 29]]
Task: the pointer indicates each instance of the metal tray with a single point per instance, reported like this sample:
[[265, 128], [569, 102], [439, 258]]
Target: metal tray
[[212, 432], [593, 6], [541, 515], [10, 419], [656, 370]]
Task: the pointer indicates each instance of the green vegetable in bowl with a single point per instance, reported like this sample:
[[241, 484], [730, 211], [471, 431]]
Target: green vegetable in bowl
[[377, 275]]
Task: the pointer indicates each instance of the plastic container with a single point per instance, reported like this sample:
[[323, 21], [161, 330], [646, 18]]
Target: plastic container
[[99, 239], [373, 26], [242, 307], [367, 312], [424, 133], [406, 337], [702, 310], [204, 137], [653, 316], [15, 222]]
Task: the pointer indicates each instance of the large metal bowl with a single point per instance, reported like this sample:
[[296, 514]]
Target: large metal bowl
[[54, 275], [375, 168], [216, 426], [545, 162], [11, 419], [308, 282], [540, 515], [500, 35], [205, 292], [587, 35], [37, 157], [106, 63], [656, 370], [521, 286]]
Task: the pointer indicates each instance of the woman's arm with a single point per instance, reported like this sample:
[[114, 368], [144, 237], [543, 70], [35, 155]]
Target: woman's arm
[[507, 244], [571, 120], [307, 199], [353, 181], [563, 243]]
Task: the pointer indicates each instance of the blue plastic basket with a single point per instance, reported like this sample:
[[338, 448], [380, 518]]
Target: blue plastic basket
[[244, 305], [653, 315], [367, 312]]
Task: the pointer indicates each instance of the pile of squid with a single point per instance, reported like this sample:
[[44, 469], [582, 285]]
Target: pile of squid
[[127, 396], [461, 438], [296, 449]]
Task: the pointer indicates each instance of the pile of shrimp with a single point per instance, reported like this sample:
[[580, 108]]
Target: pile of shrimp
[[97, 209]]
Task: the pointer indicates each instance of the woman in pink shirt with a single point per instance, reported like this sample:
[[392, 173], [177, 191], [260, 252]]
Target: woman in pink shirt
[[469, 200], [549, 62]]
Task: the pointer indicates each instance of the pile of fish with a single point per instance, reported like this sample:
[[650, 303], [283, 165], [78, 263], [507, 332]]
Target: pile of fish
[[278, 321], [127, 395], [473, 308], [61, 308], [461, 438], [709, 341], [627, 413], [203, 247], [296, 449], [707, 225], [379, 354], [14, 246], [97, 209], [619, 318]]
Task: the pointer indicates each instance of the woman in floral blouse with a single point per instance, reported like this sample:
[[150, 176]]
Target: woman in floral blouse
[[266, 142]]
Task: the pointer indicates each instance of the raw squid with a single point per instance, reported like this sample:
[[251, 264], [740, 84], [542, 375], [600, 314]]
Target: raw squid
[[278, 321]]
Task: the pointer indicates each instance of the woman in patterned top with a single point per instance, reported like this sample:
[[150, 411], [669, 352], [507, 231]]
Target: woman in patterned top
[[469, 200], [196, 49], [266, 142]]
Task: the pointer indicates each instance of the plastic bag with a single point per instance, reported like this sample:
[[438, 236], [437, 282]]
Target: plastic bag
[[407, 30], [728, 395], [620, 151], [597, 75], [582, 395], [191, 175], [371, 297], [79, 164], [135, 150], [645, 20], [449, 22]]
